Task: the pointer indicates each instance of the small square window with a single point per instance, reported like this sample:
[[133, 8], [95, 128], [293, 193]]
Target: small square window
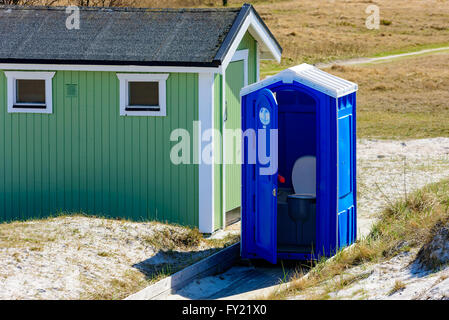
[[143, 94], [29, 92]]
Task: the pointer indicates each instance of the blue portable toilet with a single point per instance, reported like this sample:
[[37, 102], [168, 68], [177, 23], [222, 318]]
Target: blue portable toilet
[[306, 207]]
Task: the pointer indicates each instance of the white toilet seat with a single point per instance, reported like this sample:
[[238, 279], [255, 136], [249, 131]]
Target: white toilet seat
[[304, 176]]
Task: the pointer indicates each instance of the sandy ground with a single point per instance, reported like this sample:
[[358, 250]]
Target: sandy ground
[[412, 275], [397, 279], [88, 258], [389, 170]]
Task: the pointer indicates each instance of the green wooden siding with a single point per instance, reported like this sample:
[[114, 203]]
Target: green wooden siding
[[234, 83], [248, 42], [86, 158]]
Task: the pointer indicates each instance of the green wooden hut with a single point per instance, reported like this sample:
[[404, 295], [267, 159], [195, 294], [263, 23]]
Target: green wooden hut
[[87, 112]]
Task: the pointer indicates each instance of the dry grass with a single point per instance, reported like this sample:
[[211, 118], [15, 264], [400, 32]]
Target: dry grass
[[398, 286], [404, 225], [405, 98], [77, 257], [315, 31]]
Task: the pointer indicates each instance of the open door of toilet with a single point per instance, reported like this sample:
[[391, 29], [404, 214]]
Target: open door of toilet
[[265, 120]]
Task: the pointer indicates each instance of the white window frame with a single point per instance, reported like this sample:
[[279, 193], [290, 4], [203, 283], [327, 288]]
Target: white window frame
[[13, 76], [125, 78]]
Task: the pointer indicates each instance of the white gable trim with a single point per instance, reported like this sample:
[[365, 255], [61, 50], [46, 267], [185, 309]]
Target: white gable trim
[[259, 32]]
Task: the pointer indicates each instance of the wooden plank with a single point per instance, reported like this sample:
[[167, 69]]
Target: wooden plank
[[216, 263]]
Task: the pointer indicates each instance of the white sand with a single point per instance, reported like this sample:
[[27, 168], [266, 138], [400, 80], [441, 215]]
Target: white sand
[[389, 170], [84, 255]]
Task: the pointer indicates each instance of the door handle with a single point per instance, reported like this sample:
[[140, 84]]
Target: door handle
[[225, 114]]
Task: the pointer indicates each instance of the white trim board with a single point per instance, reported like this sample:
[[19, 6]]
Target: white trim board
[[206, 170], [223, 144], [130, 68], [12, 76]]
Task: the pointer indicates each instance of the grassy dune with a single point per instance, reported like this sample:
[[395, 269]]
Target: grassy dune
[[405, 225], [406, 98], [316, 31]]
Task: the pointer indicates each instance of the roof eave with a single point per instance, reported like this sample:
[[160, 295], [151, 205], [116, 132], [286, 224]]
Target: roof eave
[[212, 64]]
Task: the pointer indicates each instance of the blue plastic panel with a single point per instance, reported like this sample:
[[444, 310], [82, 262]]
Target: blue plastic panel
[[344, 156], [347, 217], [259, 189], [346, 227]]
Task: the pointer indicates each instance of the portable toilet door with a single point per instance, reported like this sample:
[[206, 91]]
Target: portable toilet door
[[334, 102], [259, 185]]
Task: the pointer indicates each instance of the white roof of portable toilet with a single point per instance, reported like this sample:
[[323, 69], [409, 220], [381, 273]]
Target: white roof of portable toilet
[[310, 76]]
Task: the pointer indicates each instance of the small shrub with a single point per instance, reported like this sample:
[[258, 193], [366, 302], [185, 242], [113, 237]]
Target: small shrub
[[398, 286], [104, 254]]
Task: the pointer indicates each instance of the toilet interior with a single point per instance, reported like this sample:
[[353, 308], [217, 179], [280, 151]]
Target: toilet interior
[[296, 202]]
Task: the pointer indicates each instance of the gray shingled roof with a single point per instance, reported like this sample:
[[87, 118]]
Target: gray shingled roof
[[190, 37]]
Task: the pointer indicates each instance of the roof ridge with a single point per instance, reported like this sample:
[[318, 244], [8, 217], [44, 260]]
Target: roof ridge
[[121, 9]]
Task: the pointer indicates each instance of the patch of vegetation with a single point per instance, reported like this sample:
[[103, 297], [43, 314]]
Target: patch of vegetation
[[174, 238], [228, 240], [403, 225], [115, 288], [104, 254], [398, 286]]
